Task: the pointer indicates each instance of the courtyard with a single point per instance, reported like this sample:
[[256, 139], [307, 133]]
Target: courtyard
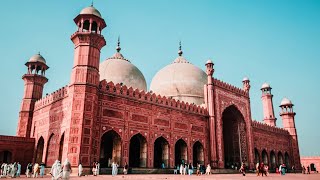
[[203, 177]]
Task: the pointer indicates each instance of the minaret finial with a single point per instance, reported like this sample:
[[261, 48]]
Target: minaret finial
[[180, 51], [118, 47], [38, 52], [92, 3]]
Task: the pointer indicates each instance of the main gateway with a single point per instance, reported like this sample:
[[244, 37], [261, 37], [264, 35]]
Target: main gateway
[[107, 114]]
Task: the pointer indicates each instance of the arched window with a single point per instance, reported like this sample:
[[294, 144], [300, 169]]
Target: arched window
[[86, 25], [94, 27]]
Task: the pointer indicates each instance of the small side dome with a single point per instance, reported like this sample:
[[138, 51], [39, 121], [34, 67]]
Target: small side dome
[[120, 70], [91, 10], [286, 102], [37, 58], [265, 86], [245, 79]]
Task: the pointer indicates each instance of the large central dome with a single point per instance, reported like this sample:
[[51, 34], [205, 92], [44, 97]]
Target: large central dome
[[180, 80], [120, 70]]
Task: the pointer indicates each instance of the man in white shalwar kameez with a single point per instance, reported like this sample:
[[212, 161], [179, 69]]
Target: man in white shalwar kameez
[[56, 170], [13, 170], [80, 169], [5, 169], [66, 170]]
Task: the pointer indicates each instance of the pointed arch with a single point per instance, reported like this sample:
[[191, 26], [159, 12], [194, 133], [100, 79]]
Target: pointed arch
[[181, 152], [39, 150], [198, 153], [50, 154], [61, 147], [161, 153], [234, 137], [287, 159], [273, 162], [138, 151], [265, 158], [110, 148], [256, 156], [280, 158]]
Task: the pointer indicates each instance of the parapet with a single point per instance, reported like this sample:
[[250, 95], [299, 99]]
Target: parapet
[[16, 139], [149, 97], [266, 127], [54, 96], [230, 87]]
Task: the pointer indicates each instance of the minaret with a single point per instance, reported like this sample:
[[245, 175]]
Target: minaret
[[210, 107], [288, 121], [246, 84], [84, 88], [268, 112], [34, 82]]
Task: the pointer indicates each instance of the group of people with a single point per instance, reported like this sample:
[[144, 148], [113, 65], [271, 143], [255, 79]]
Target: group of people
[[96, 168], [262, 169], [35, 170], [10, 170], [185, 168]]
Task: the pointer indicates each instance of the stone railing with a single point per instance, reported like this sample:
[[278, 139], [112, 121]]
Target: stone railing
[[229, 87], [266, 127], [117, 89], [54, 96]]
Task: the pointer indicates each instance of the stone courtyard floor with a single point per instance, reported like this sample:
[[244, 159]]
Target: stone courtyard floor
[[203, 177]]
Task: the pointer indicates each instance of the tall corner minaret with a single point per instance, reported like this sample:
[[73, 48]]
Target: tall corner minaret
[[268, 111], [84, 87], [288, 121], [34, 81], [210, 106]]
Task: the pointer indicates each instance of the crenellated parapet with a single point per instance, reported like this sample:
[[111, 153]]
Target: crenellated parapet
[[266, 127], [230, 87], [149, 97], [54, 96]]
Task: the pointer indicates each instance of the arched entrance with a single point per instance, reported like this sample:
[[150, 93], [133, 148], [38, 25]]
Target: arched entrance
[[273, 160], [287, 159], [5, 156], [198, 154], [256, 156], [180, 152], [265, 157], [138, 151], [161, 153], [51, 151], [39, 151], [110, 149], [234, 137], [61, 147], [280, 158]]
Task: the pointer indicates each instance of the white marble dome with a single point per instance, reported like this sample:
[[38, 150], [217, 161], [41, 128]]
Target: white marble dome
[[37, 58], [180, 80], [120, 70], [90, 10], [286, 102]]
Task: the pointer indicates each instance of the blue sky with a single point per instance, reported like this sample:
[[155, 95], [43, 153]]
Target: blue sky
[[275, 41]]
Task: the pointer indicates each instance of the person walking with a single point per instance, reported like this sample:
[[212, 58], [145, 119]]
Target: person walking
[[42, 168], [35, 170], [208, 170], [56, 170], [66, 170], [114, 168], [29, 170], [243, 169], [198, 169], [80, 169], [308, 170], [18, 169]]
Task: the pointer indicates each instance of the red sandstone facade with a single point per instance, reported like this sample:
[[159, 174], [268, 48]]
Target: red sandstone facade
[[91, 120]]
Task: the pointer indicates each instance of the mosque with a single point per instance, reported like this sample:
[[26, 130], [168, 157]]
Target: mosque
[[106, 113]]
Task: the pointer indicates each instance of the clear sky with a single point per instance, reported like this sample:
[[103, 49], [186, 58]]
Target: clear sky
[[274, 41]]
